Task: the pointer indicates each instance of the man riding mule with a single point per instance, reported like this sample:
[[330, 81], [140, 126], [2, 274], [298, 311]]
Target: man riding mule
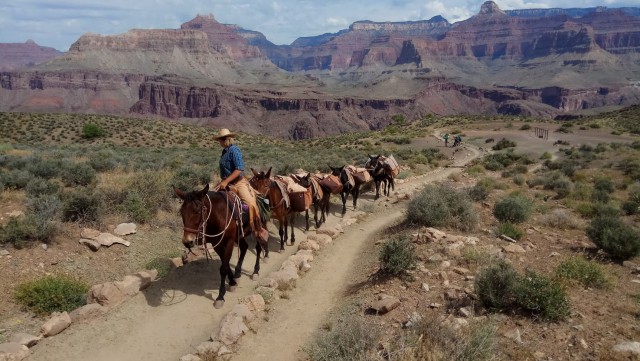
[[231, 173]]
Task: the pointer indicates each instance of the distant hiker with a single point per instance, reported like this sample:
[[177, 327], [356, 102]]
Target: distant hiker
[[446, 139], [457, 141]]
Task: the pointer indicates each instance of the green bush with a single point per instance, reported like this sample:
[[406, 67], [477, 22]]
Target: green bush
[[188, 178], [632, 205], [39, 186], [82, 205], [588, 273], [604, 185], [495, 286], [91, 131], [16, 179], [478, 192], [441, 205], [46, 168], [136, 208], [542, 296], [510, 230], [615, 237], [500, 288], [514, 209], [160, 264], [80, 174], [525, 127], [19, 231], [103, 160], [504, 144], [397, 256], [51, 294]]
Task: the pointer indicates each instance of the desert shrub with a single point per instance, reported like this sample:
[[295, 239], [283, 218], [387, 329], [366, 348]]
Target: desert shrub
[[518, 169], [604, 185], [103, 160], [160, 264], [188, 178], [145, 194], [630, 167], [541, 296], [615, 237], [493, 165], [546, 156], [600, 196], [565, 128], [38, 186], [560, 219], [495, 286], [45, 168], [525, 127], [555, 181], [16, 179], [349, 340], [519, 179], [78, 174], [136, 208], [514, 209], [51, 294], [510, 230], [90, 131], [82, 205], [441, 205], [19, 231], [632, 205], [430, 339], [478, 192], [397, 256], [588, 273], [490, 140], [504, 144], [397, 140], [45, 211]]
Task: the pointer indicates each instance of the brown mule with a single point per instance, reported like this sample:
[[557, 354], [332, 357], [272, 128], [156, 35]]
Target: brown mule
[[214, 215]]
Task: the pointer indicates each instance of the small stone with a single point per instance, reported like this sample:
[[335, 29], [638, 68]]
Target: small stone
[[44, 246], [124, 229], [514, 335], [554, 254], [89, 233], [538, 355], [4, 252], [92, 244], [583, 344], [425, 287], [25, 339], [628, 347], [435, 305], [445, 264], [513, 248]]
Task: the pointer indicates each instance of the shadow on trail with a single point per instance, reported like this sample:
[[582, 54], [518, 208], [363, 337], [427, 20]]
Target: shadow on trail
[[201, 277]]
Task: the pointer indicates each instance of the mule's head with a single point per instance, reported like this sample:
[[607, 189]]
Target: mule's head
[[192, 213], [261, 181], [304, 181], [336, 171]]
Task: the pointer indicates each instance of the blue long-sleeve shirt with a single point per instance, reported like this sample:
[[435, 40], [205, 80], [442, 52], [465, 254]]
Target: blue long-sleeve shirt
[[230, 160]]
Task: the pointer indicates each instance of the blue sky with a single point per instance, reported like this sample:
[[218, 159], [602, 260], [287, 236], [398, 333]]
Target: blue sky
[[58, 23]]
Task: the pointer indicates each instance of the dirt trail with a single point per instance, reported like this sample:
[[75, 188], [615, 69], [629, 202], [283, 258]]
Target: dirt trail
[[176, 314]]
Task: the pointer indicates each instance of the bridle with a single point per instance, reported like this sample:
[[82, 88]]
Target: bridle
[[265, 193], [200, 231]]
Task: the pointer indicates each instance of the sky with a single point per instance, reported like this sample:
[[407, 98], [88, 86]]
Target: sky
[[59, 23]]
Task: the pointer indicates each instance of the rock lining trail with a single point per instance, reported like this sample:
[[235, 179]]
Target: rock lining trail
[[176, 314]]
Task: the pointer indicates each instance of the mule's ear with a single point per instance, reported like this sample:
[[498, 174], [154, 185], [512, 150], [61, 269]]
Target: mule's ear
[[204, 191], [255, 174], [178, 192], [372, 156], [269, 172]]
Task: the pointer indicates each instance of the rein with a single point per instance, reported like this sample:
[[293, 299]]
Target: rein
[[200, 231]]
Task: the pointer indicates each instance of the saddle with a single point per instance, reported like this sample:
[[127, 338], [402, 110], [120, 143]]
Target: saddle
[[331, 183]]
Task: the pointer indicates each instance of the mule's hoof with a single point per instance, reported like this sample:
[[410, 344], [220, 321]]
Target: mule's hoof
[[218, 304], [281, 250], [265, 259], [254, 277], [237, 275], [232, 288]]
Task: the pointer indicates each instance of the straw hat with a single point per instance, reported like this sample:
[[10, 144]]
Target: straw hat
[[224, 133]]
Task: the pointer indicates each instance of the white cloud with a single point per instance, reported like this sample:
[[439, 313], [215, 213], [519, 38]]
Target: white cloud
[[59, 23]]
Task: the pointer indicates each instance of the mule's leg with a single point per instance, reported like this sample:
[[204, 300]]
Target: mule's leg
[[256, 267], [316, 205], [356, 192], [243, 251], [225, 271], [282, 228], [344, 195], [377, 190], [306, 216], [292, 220]]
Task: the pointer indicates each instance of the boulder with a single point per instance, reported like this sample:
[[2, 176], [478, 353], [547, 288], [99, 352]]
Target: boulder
[[330, 231], [384, 304], [308, 244], [209, 348], [92, 244], [87, 312], [286, 278], [268, 282], [233, 326], [106, 294], [513, 248], [630, 347], [124, 229], [190, 357], [107, 239], [89, 233], [56, 324], [321, 239], [254, 302], [11, 351]]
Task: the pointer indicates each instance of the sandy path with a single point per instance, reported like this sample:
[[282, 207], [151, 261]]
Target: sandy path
[[291, 325], [176, 314]]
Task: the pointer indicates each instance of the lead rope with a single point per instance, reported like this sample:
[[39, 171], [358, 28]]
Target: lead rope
[[221, 234]]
